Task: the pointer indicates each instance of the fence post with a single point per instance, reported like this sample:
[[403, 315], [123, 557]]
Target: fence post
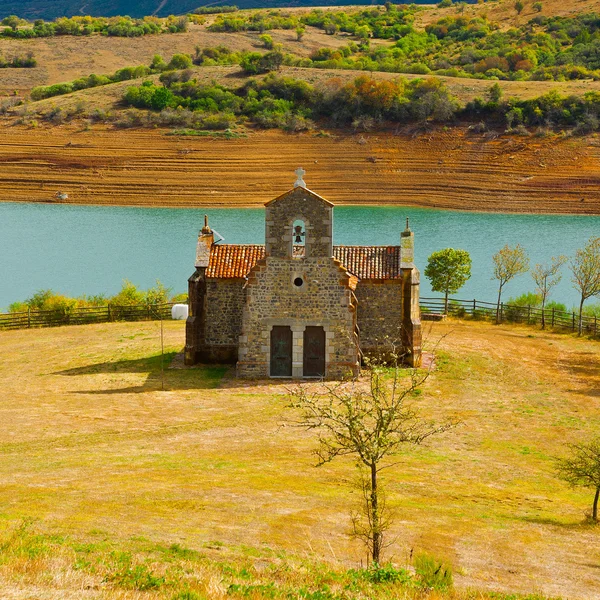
[[573, 320], [595, 325], [29, 317], [108, 313], [553, 309], [474, 306], [501, 312], [529, 314]]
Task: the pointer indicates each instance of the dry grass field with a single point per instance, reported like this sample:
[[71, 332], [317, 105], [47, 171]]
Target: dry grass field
[[101, 468], [504, 13], [68, 57], [453, 169]]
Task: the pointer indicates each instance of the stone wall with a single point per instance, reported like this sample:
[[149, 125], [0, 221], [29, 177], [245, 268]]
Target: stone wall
[[411, 327], [379, 315], [324, 299], [194, 326], [299, 204], [225, 302]]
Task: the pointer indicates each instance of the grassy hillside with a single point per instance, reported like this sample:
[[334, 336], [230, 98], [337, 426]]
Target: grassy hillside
[[114, 488], [50, 9], [534, 149]]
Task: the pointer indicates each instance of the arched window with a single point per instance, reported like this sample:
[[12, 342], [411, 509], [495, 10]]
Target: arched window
[[298, 239]]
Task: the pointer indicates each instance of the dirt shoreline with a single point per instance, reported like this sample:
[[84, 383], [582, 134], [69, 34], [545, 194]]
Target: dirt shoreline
[[452, 169]]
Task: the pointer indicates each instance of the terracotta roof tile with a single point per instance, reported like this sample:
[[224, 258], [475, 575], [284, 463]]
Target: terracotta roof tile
[[370, 262], [364, 262], [233, 260]]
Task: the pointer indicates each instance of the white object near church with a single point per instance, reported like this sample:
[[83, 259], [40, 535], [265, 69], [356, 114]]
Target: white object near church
[[179, 312]]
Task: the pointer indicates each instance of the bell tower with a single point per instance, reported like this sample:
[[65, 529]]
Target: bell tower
[[299, 224]]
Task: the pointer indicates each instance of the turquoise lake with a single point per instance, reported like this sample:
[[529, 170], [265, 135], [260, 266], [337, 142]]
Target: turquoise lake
[[90, 249]]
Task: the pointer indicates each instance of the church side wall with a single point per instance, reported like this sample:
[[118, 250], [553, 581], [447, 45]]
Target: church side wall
[[379, 315], [225, 302]]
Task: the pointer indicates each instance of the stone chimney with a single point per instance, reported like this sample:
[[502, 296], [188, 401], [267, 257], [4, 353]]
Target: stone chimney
[[407, 248], [206, 239]]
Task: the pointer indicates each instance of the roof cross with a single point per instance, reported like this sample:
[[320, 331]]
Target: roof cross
[[300, 172]]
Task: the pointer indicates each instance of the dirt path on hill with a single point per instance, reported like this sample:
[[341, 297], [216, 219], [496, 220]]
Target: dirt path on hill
[[452, 169]]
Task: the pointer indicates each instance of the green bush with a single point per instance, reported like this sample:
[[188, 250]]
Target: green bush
[[180, 61], [433, 573]]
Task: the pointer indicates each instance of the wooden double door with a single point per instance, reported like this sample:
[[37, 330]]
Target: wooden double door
[[282, 344]]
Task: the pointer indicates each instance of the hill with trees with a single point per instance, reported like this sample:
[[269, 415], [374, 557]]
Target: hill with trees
[[51, 9]]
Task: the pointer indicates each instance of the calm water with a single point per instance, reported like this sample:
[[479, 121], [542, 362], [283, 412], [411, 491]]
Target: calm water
[[89, 249]]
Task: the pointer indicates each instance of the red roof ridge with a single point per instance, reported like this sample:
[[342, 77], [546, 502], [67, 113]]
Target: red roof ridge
[[235, 261]]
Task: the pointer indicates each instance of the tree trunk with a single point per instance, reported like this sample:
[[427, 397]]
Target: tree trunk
[[375, 517], [595, 507], [446, 303], [543, 312], [498, 305], [580, 328]]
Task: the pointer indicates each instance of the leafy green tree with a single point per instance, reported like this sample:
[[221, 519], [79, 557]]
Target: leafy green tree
[[267, 41], [494, 94], [519, 6], [547, 276], [582, 468], [180, 61], [12, 21], [363, 33], [538, 6], [254, 63], [158, 63], [585, 269], [508, 263], [129, 295], [300, 31], [161, 97], [159, 294], [448, 270]]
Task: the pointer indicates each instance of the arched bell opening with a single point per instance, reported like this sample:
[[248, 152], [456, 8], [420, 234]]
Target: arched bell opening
[[298, 238]]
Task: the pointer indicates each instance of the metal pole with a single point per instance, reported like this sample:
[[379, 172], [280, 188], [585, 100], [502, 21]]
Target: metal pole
[[162, 354]]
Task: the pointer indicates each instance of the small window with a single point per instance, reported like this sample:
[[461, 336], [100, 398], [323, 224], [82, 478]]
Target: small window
[[298, 239]]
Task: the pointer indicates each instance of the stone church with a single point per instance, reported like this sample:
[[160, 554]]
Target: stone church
[[298, 306]]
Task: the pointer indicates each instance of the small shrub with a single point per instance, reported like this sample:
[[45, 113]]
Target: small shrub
[[433, 573], [179, 62], [188, 595], [383, 574], [136, 577], [267, 41]]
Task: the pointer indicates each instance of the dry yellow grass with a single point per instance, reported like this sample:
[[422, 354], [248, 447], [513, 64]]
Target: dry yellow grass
[[94, 450], [69, 57], [503, 11]]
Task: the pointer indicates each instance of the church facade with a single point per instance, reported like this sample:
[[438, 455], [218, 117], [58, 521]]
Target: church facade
[[298, 306]]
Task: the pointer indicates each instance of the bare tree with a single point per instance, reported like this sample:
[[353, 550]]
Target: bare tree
[[582, 468], [508, 263], [585, 267], [371, 421], [546, 276]]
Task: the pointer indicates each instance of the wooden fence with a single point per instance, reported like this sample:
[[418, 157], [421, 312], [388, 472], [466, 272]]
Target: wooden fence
[[555, 319], [82, 316], [508, 313]]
